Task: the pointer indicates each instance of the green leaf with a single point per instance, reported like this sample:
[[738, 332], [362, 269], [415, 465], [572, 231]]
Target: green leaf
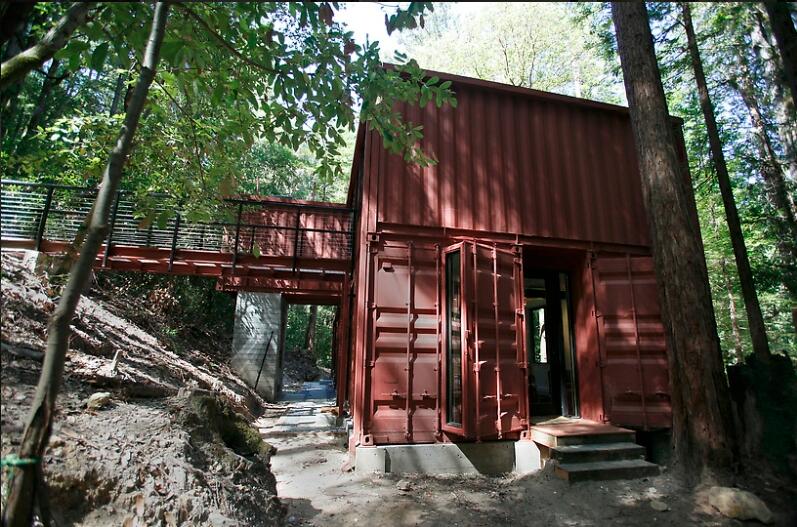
[[98, 56]]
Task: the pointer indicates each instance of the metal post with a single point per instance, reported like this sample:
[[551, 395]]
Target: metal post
[[110, 230], [237, 237], [263, 362], [174, 241], [43, 220]]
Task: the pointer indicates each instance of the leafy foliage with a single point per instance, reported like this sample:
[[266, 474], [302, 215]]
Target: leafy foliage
[[236, 81]]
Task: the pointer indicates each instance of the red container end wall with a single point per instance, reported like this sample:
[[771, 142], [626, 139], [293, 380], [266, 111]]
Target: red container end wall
[[509, 163], [514, 169]]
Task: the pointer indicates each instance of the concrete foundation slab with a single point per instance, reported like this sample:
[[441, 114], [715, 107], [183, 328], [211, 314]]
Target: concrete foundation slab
[[492, 458], [527, 457]]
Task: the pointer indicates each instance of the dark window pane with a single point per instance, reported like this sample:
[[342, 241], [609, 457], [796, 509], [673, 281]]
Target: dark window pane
[[454, 333]]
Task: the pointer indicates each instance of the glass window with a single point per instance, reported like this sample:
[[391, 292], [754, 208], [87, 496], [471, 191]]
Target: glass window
[[454, 334]]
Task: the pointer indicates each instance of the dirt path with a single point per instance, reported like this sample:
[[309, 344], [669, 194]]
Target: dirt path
[[317, 492]]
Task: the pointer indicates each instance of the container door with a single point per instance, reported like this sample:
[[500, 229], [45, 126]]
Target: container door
[[456, 361], [402, 359], [632, 342], [499, 363]]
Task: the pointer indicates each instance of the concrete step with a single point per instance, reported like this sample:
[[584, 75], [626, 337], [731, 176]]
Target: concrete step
[[604, 470], [596, 452]]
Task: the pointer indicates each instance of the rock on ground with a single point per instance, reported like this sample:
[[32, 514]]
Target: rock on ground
[[739, 504]]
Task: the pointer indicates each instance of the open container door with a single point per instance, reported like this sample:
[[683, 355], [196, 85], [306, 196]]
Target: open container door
[[500, 366], [456, 360]]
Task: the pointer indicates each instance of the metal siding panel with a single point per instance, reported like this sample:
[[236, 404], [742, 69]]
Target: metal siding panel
[[514, 205], [591, 211], [544, 193], [431, 175], [463, 172], [527, 165], [523, 145], [446, 173], [497, 180], [632, 340], [481, 204]]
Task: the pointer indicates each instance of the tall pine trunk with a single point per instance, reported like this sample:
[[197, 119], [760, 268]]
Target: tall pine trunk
[[775, 76], [774, 182], [703, 433], [19, 509], [755, 320], [786, 37]]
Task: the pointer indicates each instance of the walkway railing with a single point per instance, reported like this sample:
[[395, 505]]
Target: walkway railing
[[41, 213]]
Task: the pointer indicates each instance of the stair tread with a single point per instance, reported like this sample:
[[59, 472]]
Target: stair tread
[[597, 447], [592, 466]]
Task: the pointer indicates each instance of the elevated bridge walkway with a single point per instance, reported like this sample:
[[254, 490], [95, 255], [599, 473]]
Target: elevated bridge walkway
[[293, 247]]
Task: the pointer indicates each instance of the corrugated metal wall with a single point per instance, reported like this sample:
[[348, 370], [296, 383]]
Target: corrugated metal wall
[[632, 342], [513, 163]]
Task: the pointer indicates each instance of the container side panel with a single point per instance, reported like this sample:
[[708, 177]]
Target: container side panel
[[632, 340]]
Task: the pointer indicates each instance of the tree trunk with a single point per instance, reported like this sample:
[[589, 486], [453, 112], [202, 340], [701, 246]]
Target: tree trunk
[[50, 82], [755, 320], [786, 37], [117, 95], [309, 336], [786, 115], [13, 15], [774, 182], [703, 433], [737, 333], [19, 509], [16, 68], [773, 171]]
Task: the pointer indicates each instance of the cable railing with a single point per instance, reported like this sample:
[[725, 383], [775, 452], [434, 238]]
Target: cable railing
[[45, 212]]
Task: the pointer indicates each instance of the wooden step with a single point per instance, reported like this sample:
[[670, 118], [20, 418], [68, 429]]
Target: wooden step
[[604, 470], [596, 452], [550, 437]]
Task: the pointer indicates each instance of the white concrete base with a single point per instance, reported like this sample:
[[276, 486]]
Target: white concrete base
[[489, 458], [527, 457]]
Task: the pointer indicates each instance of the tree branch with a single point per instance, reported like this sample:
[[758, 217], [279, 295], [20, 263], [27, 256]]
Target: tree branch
[[15, 69], [201, 21]]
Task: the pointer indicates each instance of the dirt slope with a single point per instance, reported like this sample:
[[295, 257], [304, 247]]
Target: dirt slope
[[172, 446]]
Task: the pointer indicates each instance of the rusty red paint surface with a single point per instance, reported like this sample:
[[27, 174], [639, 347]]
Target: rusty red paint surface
[[632, 342], [523, 179], [517, 163]]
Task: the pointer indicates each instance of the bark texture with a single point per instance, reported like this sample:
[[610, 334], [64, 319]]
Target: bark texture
[[16, 68], [19, 509], [755, 319], [703, 434], [786, 37]]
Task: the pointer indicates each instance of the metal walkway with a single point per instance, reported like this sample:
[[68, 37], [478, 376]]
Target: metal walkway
[[269, 244]]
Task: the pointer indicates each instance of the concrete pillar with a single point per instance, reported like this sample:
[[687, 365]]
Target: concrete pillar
[[257, 315]]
